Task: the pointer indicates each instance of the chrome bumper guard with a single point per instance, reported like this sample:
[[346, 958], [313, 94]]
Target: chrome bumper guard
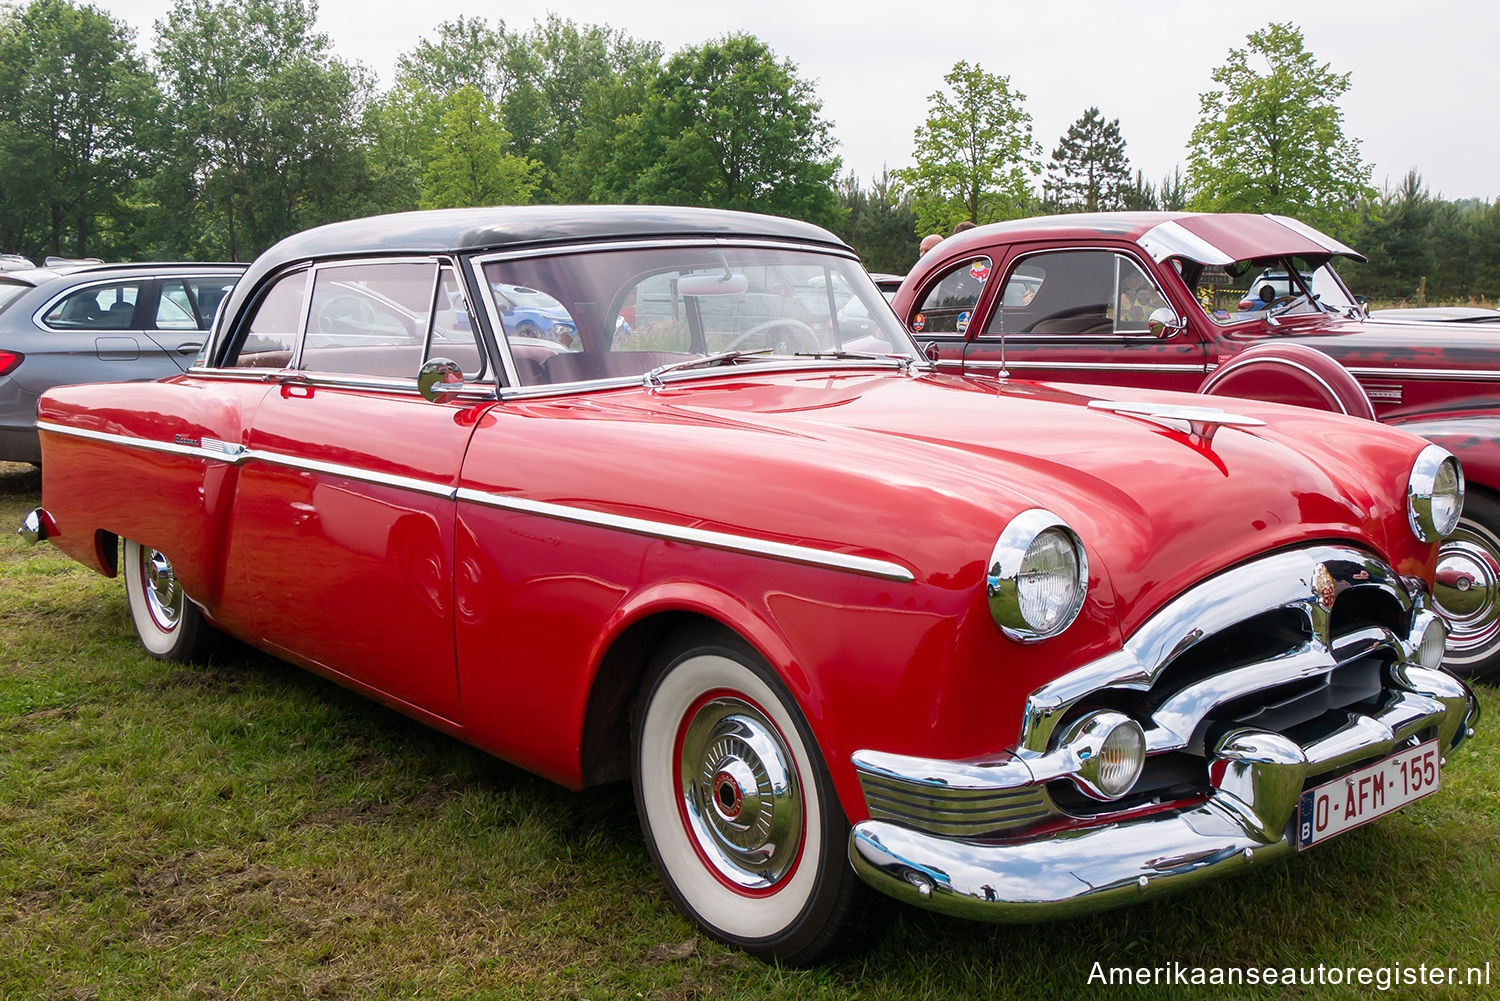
[[36, 526], [1257, 777]]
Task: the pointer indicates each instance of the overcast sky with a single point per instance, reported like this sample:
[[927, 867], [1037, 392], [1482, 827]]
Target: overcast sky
[[1425, 84]]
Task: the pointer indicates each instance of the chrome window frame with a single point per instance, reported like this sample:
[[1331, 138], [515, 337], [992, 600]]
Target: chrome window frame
[[483, 385], [1117, 253]]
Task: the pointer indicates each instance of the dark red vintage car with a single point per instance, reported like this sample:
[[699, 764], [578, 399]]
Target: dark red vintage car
[[845, 622], [1234, 305]]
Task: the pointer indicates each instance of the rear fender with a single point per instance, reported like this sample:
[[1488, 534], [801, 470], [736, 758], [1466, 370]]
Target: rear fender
[[1290, 373]]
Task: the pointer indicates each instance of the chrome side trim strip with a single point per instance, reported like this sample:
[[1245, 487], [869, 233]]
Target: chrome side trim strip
[[1461, 374], [215, 452], [233, 454], [431, 489], [1080, 366], [694, 536]]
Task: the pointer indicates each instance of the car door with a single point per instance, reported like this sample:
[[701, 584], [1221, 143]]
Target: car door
[[343, 535], [96, 332], [1077, 314]]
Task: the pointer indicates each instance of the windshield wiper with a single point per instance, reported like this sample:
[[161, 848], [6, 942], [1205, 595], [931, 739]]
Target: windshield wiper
[[904, 361], [1274, 311], [652, 379]]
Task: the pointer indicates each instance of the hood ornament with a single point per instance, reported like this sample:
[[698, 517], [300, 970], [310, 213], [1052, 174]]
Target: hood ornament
[[1201, 423]]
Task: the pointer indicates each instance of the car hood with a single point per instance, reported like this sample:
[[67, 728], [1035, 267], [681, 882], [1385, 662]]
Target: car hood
[[927, 471]]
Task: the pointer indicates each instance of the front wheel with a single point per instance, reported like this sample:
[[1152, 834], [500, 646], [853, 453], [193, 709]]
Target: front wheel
[[737, 807], [1468, 589], [170, 626]]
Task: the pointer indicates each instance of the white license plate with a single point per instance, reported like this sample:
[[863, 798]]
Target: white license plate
[[1373, 791]]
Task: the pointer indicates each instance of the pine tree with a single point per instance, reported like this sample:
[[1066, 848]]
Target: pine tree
[[1090, 171]]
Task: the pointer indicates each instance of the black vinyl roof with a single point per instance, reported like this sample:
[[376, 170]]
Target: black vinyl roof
[[504, 227]]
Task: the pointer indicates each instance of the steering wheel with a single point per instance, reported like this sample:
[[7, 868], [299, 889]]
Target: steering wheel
[[345, 314], [798, 337]]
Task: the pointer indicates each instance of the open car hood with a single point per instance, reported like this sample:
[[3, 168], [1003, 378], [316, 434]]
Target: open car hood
[[1224, 239]]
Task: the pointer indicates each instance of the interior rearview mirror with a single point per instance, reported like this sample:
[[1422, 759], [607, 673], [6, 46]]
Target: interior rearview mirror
[[712, 284]]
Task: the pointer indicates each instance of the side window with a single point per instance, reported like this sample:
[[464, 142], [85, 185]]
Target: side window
[[369, 318], [207, 293], [452, 334], [1136, 298], [1067, 292], [99, 307], [272, 336], [948, 305], [174, 310]]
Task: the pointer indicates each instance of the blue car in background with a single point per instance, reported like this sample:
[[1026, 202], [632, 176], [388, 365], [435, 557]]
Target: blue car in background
[[527, 312]]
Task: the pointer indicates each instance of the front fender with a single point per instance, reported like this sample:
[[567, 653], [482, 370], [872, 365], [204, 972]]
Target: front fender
[[1474, 440]]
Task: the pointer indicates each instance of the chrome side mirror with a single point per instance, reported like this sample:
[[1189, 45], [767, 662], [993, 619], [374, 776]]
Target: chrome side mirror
[[440, 377], [1164, 323]]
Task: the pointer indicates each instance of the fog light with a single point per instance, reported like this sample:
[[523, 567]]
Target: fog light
[[1432, 641], [1110, 750]]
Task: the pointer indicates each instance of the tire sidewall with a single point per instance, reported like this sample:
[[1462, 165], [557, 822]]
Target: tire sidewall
[[174, 643], [779, 924]]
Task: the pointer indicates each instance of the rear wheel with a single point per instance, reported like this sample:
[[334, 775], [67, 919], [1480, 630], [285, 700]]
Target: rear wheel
[[1468, 589], [736, 805], [170, 626]]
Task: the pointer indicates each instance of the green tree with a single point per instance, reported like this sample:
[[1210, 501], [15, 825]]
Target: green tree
[[1394, 232], [1484, 251], [1090, 171], [975, 155], [580, 81], [879, 224], [726, 124], [466, 161], [75, 96], [561, 90], [1173, 193], [266, 140], [1271, 137]]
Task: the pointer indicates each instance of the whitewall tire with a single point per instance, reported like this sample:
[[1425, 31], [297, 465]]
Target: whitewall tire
[[169, 625], [736, 805]]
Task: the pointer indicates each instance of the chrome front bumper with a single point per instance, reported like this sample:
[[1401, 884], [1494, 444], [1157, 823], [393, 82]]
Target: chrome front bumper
[[1257, 777]]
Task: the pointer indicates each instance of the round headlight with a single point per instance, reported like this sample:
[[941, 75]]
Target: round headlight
[[1110, 750], [1434, 494], [1038, 575]]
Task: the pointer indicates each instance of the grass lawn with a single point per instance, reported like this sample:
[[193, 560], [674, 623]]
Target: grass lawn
[[247, 830]]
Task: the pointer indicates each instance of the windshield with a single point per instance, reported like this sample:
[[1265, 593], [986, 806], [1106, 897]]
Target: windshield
[[621, 314], [1276, 286]]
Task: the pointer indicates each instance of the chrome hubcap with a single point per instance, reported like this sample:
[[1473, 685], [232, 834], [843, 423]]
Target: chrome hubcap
[[163, 593], [1465, 593], [740, 794]]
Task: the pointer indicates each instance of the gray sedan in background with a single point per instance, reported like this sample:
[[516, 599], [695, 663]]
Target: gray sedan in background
[[91, 322]]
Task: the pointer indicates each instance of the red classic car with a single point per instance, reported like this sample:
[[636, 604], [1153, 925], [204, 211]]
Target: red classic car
[[1234, 305], [845, 622]]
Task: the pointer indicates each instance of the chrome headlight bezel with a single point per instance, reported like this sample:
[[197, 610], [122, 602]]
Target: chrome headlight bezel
[[1008, 566], [1434, 494]]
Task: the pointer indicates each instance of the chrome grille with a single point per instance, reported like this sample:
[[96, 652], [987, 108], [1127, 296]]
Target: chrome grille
[[951, 811]]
